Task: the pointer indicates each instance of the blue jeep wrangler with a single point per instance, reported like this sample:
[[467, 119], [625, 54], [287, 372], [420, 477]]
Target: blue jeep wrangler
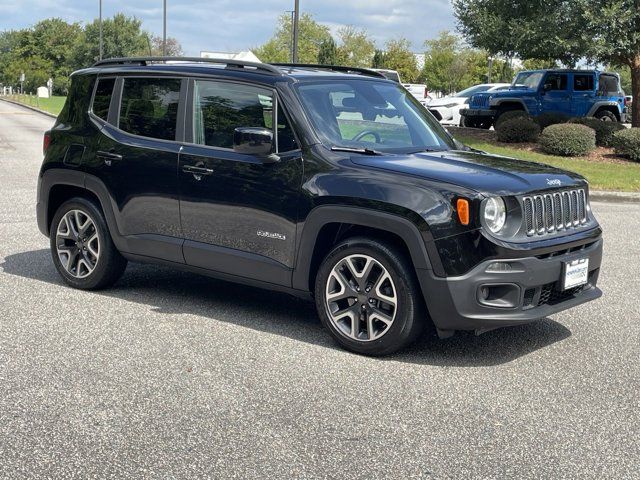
[[574, 93]]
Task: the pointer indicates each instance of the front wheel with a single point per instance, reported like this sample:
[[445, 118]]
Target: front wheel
[[368, 298], [82, 249]]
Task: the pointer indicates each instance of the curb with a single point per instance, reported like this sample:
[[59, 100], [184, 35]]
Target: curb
[[48, 114], [617, 197]]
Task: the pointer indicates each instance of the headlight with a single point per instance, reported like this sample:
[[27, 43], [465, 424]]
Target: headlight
[[494, 213], [450, 105]]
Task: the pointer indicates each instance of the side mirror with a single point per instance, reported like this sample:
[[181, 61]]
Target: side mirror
[[255, 141]]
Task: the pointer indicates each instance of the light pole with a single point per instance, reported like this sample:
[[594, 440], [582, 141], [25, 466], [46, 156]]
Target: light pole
[[296, 18], [164, 29], [100, 21]]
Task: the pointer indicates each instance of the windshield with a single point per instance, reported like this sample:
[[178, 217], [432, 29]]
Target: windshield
[[376, 115], [528, 79], [472, 91]]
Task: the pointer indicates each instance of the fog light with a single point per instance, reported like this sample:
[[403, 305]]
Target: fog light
[[505, 295], [484, 293], [499, 267]]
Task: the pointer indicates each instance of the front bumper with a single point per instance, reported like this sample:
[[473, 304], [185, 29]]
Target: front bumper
[[531, 291], [477, 113]]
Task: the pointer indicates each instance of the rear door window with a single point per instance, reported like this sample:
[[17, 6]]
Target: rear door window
[[583, 83], [102, 97], [149, 107]]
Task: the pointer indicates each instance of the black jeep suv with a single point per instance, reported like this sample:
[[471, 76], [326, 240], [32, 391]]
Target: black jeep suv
[[326, 182]]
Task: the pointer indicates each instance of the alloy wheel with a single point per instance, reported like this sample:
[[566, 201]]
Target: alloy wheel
[[361, 298], [77, 243]]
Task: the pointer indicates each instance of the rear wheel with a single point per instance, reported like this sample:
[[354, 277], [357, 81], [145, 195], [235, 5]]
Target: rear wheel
[[368, 298], [606, 116], [82, 249]]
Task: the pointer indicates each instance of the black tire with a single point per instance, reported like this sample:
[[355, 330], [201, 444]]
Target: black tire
[[410, 313], [109, 266], [469, 122], [606, 116], [501, 111]]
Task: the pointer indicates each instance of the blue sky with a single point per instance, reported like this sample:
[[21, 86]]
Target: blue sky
[[231, 25]]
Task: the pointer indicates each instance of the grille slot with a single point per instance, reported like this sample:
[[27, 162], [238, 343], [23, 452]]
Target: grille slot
[[550, 212]]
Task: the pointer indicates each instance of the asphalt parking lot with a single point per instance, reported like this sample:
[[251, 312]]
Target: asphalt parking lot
[[174, 375]]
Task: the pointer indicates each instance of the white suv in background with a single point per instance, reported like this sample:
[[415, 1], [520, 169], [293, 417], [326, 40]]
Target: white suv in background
[[447, 109]]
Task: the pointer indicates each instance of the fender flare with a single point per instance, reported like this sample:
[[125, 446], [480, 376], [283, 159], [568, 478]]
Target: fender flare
[[74, 178], [499, 101], [603, 103], [420, 245]]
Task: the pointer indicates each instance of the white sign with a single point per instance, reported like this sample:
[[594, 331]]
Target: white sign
[[43, 92]]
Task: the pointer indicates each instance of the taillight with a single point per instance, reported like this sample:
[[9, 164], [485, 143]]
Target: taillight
[[46, 142]]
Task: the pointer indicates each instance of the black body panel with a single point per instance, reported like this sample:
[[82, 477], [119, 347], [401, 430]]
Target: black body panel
[[259, 223]]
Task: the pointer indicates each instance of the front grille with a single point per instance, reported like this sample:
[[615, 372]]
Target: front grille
[[479, 101], [551, 212], [550, 294]]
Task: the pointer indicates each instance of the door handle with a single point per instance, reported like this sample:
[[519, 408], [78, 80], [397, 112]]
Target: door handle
[[108, 157], [197, 171]]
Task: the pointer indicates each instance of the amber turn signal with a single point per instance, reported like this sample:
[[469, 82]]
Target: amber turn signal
[[463, 211]]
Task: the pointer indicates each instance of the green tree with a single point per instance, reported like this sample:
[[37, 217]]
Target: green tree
[[611, 34], [398, 56], [122, 37], [378, 59], [310, 36], [328, 53], [539, 64], [154, 46], [54, 39], [604, 31], [356, 48], [625, 75], [36, 70], [444, 66]]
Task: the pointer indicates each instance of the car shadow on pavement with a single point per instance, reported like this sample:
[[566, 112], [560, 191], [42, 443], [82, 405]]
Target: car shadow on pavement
[[172, 291]]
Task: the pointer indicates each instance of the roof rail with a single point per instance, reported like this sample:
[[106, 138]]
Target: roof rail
[[333, 68], [229, 63]]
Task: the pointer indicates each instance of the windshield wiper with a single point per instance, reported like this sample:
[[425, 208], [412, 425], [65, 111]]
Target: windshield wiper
[[363, 151], [428, 150]]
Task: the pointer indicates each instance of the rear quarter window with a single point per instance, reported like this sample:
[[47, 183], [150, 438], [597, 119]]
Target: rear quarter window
[[78, 101], [149, 107], [608, 84], [102, 97]]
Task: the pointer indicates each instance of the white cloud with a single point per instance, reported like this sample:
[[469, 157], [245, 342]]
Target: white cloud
[[240, 24]]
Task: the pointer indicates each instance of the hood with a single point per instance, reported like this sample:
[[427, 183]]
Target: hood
[[518, 90], [487, 174], [438, 102]]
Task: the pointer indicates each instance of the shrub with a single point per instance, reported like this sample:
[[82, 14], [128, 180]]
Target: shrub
[[627, 143], [518, 130], [568, 139], [604, 130], [550, 118], [510, 115]]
